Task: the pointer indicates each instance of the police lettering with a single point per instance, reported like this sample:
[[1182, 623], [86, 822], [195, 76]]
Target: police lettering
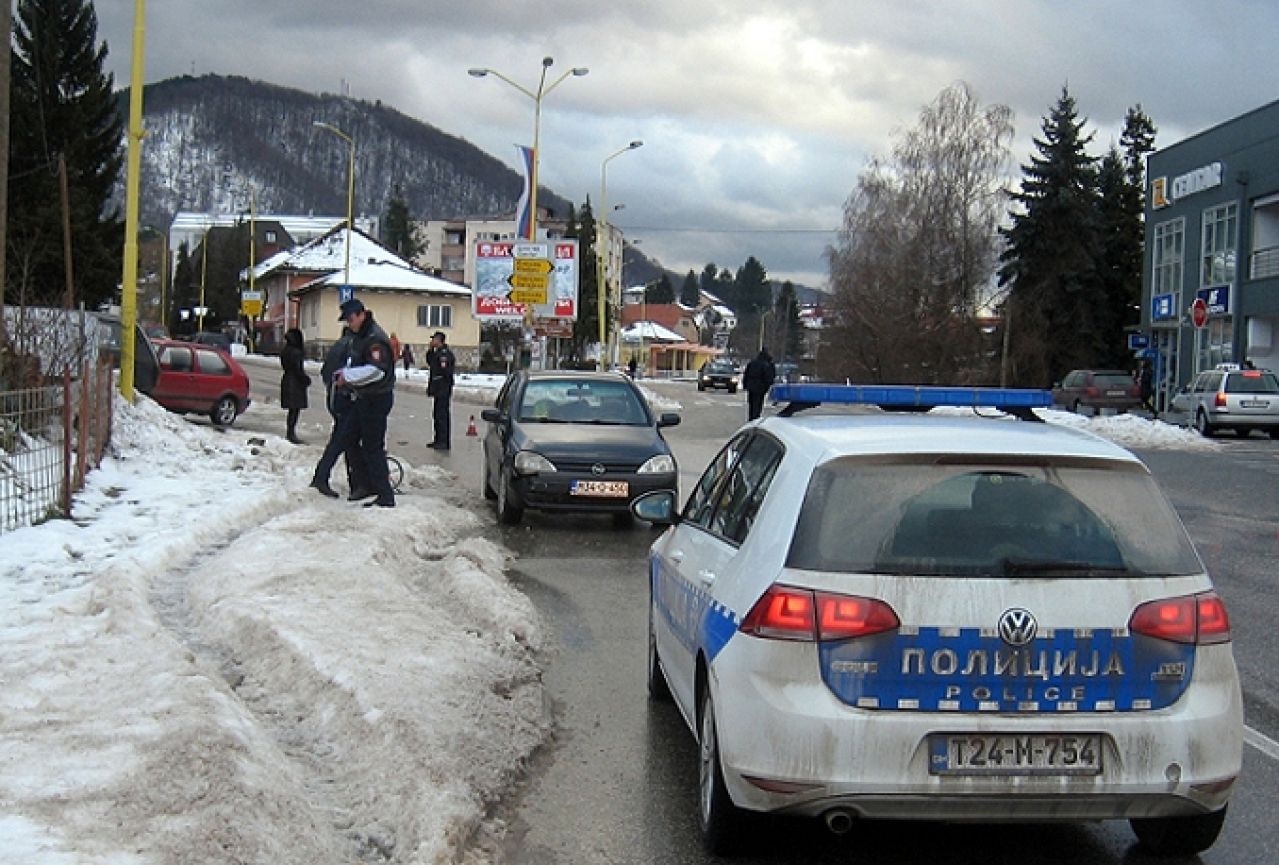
[[1013, 663]]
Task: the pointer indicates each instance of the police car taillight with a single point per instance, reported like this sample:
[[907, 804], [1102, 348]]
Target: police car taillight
[[1219, 400], [1196, 619], [788, 613]]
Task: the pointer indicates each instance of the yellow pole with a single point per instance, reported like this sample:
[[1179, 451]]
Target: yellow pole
[[129, 283], [350, 209], [204, 267]]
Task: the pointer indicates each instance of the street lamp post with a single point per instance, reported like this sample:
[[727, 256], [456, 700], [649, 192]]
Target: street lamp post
[[537, 97], [602, 236], [350, 192]]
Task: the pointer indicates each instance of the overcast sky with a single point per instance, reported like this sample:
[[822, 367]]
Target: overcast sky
[[756, 116]]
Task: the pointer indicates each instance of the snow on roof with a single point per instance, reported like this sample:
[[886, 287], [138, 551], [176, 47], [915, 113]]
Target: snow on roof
[[389, 275], [650, 330]]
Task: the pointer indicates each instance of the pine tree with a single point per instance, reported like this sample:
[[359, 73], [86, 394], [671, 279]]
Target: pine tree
[[61, 104], [586, 329], [690, 290], [397, 227], [1050, 264], [752, 289], [662, 291]]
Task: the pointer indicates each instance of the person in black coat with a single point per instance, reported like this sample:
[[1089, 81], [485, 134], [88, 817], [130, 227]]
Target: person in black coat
[[441, 365], [294, 381], [757, 379]]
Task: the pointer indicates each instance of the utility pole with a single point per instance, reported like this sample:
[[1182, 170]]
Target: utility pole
[[6, 27]]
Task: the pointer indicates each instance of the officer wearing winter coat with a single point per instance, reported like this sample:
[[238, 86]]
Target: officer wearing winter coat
[[370, 374], [341, 443], [441, 364]]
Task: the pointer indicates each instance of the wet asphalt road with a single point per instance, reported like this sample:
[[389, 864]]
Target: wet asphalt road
[[618, 782]]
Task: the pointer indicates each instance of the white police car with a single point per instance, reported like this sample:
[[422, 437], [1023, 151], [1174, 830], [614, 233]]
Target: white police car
[[942, 618]]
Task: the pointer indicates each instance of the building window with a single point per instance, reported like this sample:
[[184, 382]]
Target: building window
[[435, 315], [270, 237], [1167, 259], [1220, 242]]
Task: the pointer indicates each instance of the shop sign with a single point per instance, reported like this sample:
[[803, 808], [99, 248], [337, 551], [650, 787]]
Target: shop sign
[[1216, 298], [1161, 308]]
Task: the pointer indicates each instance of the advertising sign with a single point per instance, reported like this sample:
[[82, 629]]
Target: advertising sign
[[1161, 307], [502, 291], [1216, 298]]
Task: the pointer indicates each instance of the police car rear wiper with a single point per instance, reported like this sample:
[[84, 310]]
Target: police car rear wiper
[[1021, 567]]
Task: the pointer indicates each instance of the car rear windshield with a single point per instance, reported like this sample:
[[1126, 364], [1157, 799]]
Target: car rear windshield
[[1252, 381], [578, 401], [1113, 379], [947, 517]]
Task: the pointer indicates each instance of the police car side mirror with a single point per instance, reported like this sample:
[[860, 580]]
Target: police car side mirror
[[657, 507], [668, 418]]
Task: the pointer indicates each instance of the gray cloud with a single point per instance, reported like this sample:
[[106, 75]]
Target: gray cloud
[[756, 116]]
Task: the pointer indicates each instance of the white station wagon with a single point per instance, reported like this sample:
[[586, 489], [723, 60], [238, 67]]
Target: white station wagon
[[938, 617]]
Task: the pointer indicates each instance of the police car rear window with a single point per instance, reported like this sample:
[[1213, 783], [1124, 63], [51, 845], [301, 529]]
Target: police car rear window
[[947, 517], [1252, 382]]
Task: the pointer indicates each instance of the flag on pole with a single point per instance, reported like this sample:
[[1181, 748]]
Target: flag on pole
[[523, 216]]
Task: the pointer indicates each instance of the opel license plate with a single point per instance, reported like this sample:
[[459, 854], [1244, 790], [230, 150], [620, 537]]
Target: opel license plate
[[1038, 754], [605, 489]]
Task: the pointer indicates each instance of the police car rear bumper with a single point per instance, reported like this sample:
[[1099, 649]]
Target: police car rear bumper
[[788, 744]]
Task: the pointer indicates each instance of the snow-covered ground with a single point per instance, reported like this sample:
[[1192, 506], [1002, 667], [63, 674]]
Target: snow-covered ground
[[208, 663]]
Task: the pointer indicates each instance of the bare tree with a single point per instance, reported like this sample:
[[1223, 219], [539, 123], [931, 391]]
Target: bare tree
[[918, 246]]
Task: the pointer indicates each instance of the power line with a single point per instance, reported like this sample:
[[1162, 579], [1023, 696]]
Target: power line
[[730, 230]]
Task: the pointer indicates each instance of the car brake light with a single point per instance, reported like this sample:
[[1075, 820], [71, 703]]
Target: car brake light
[[1219, 400], [1092, 390], [1194, 619], [786, 613]]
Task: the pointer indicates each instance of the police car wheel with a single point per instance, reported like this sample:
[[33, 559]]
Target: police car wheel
[[1179, 836], [720, 819], [507, 511], [658, 689]]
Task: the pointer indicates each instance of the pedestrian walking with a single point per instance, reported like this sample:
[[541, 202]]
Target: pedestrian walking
[[395, 347], [341, 442], [293, 382], [440, 364], [1146, 386], [757, 379], [370, 374], [632, 365], [406, 354]]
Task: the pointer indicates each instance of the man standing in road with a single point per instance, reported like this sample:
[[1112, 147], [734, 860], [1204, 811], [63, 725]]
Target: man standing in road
[[370, 374], [757, 379], [440, 363]]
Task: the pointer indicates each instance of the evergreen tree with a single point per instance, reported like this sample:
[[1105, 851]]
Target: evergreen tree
[[397, 227], [689, 292], [662, 291], [184, 289], [708, 281], [1115, 266], [788, 330], [753, 292], [61, 104], [586, 329], [1050, 263]]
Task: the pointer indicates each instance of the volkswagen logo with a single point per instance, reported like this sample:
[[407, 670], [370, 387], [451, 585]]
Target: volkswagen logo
[[1017, 627], [598, 469]]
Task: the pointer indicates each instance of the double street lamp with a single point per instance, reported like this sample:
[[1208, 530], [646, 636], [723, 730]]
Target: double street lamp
[[350, 192], [537, 96], [602, 237]]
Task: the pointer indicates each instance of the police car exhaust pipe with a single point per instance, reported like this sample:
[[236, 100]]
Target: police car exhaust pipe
[[839, 821]]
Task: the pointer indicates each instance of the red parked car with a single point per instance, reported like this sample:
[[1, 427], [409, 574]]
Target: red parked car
[[200, 378]]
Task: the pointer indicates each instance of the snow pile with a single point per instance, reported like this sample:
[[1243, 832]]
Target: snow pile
[[209, 663]]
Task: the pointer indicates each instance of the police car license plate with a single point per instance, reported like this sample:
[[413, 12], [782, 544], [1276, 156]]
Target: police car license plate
[[1039, 754], [1254, 403], [606, 489]]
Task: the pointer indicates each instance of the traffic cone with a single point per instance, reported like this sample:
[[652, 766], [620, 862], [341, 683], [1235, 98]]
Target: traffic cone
[[470, 427]]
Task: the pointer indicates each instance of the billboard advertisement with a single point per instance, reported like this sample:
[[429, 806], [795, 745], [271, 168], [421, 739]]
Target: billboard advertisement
[[495, 279]]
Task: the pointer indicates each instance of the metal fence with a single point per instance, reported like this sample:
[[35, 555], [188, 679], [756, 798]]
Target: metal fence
[[50, 437]]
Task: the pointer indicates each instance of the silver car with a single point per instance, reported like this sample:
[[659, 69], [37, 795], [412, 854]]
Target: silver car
[[1229, 397]]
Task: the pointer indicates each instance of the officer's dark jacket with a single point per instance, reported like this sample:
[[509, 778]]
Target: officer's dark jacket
[[371, 346]]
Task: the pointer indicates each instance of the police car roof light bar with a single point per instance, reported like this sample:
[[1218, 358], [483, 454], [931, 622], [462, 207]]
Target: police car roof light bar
[[1014, 401]]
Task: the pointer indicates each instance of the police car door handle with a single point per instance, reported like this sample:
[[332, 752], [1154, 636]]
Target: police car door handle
[[706, 576], [677, 556]]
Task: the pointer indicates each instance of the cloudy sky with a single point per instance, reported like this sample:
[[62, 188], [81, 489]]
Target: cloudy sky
[[756, 116]]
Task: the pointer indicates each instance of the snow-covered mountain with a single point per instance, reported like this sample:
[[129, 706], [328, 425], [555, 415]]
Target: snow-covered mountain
[[213, 142]]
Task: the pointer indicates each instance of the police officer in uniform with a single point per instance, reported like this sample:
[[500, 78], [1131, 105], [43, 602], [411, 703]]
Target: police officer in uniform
[[370, 375], [441, 364]]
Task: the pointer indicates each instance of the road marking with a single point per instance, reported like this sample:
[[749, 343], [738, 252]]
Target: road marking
[[1261, 742]]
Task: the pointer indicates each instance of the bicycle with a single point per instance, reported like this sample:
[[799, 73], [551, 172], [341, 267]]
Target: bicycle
[[395, 473]]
